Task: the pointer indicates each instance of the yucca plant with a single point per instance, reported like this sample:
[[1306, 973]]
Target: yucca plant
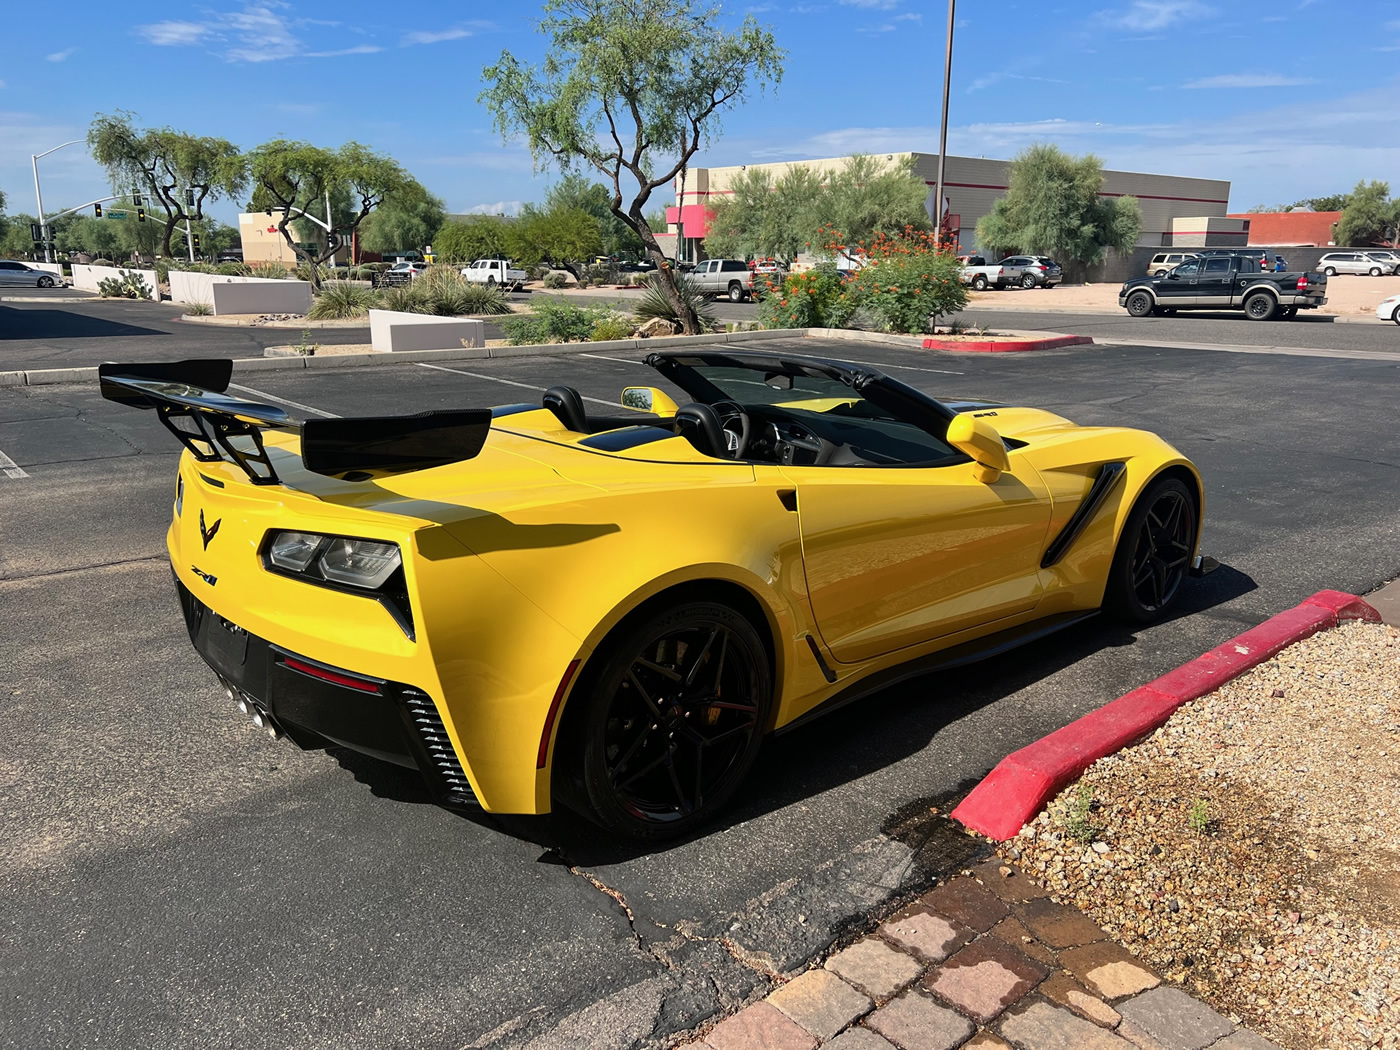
[[274, 270], [404, 298], [198, 309], [655, 304], [340, 300]]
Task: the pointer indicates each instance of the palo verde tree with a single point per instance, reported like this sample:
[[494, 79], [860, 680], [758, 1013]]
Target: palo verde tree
[[408, 223], [631, 89], [1052, 207], [473, 237], [179, 171], [1369, 217], [296, 182]]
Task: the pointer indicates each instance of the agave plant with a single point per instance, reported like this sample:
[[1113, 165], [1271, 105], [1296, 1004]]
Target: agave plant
[[340, 300], [655, 304]]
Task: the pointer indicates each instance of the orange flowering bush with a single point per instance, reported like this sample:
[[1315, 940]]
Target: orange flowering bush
[[814, 299], [907, 281]]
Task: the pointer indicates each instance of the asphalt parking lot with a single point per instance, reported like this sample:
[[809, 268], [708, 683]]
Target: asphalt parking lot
[[174, 878]]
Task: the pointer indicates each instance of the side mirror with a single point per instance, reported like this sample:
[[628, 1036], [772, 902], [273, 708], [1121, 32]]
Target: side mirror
[[980, 440], [648, 399]]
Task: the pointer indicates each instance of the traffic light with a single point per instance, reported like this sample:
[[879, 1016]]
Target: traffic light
[[97, 210], [136, 200], [36, 232], [189, 198], [196, 242], [140, 214]]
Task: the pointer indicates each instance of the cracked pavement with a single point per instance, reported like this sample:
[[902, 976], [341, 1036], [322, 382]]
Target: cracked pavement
[[174, 878]]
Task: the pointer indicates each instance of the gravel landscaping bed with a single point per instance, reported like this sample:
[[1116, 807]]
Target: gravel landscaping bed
[[1249, 848]]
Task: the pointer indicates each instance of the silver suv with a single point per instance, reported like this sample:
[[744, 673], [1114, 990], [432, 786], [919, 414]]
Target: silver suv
[[1028, 271], [1164, 261], [1389, 260], [1334, 263]]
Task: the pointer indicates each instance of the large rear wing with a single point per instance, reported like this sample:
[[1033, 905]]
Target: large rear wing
[[190, 400]]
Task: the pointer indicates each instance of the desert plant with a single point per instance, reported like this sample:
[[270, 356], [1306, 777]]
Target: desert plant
[[525, 330], [1198, 820], [1078, 817], [611, 326], [655, 304], [816, 298], [487, 301], [198, 309], [340, 300], [555, 280], [232, 269], [558, 321], [274, 270], [306, 348], [906, 281], [402, 298], [127, 285]]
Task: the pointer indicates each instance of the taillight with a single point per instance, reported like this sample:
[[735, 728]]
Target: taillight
[[1303, 283]]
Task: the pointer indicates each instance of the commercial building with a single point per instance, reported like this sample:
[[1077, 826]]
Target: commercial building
[[263, 243], [971, 186], [1284, 229]]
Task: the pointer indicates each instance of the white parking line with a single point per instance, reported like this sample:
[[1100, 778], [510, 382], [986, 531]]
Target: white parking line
[[619, 360], [284, 401], [911, 368], [11, 468], [508, 382]]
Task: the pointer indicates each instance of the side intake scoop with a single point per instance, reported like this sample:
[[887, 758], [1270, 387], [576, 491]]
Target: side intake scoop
[[189, 398]]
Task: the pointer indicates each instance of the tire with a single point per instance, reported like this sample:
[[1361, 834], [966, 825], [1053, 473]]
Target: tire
[[1154, 551], [736, 292], [1261, 307], [1396, 315], [1027, 281], [1160, 273], [45, 282], [1375, 271], [979, 283], [491, 281], [1330, 271], [1139, 304], [652, 782]]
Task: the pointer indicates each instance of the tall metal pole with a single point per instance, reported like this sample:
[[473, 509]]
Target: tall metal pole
[[943, 129], [39, 197]]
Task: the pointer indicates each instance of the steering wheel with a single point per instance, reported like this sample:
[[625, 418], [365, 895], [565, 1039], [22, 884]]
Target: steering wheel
[[734, 421]]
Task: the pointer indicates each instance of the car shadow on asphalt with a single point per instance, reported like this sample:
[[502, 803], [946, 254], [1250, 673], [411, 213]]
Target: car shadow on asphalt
[[63, 324], [850, 743]]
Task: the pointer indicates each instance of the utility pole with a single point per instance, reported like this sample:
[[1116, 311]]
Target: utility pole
[[943, 131]]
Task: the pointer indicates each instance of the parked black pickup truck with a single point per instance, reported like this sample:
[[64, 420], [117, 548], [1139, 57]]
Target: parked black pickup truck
[[1225, 282]]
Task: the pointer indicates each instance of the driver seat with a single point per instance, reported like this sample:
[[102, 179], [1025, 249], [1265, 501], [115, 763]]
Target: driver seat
[[567, 406], [699, 424]]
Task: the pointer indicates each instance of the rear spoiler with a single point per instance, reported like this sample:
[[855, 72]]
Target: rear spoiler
[[190, 400]]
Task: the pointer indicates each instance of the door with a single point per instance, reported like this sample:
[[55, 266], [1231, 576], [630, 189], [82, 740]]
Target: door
[[897, 556], [1178, 288], [13, 273], [1216, 281]]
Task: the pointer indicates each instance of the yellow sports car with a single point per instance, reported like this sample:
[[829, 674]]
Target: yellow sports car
[[533, 605]]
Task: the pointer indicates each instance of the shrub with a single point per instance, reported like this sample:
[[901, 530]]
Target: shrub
[[490, 302], [814, 299], [274, 270], [128, 285], [340, 300], [555, 279], [103, 262], [558, 321], [655, 304], [612, 326], [524, 330], [399, 297], [232, 269], [907, 283], [198, 309]]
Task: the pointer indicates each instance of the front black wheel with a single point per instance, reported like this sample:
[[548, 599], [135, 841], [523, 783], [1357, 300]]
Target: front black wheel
[[676, 715], [1153, 557], [1139, 304]]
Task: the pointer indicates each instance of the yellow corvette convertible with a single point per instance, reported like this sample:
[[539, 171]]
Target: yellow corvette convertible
[[534, 605]]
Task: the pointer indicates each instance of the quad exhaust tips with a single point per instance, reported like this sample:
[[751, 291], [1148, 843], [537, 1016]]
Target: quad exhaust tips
[[261, 718]]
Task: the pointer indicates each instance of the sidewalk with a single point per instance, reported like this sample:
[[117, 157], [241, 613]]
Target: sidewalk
[[985, 960]]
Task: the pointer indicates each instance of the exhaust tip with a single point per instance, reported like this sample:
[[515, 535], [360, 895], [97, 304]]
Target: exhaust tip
[[243, 706], [259, 719]]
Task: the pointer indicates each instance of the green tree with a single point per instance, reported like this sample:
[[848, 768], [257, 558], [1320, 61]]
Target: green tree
[[472, 238], [866, 198], [582, 194], [1369, 216], [408, 223], [15, 241], [178, 170], [1334, 202], [98, 237], [631, 89], [1052, 207], [294, 180], [564, 237]]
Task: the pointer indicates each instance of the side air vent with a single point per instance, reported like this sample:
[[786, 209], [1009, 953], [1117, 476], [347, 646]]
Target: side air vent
[[432, 735]]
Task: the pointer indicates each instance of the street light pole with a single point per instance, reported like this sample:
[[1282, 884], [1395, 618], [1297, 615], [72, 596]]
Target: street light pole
[[39, 197], [943, 130]]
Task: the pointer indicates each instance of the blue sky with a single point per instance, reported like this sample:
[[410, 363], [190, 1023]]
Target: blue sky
[[1287, 98]]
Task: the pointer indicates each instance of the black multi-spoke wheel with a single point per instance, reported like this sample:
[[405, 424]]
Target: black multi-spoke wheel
[[1154, 553], [677, 714]]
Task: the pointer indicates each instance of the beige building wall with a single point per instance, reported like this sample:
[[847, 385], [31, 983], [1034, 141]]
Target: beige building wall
[[973, 184], [262, 243]]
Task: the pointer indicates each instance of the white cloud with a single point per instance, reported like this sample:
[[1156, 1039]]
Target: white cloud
[[499, 208], [1150, 15], [61, 56], [174, 34], [875, 5], [434, 37], [360, 49], [1248, 80], [259, 32], [996, 78]]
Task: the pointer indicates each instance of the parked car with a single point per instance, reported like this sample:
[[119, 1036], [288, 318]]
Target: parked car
[[1389, 260], [1164, 261], [493, 272], [727, 277], [12, 272], [1389, 309], [980, 276], [402, 272], [1357, 262], [1225, 282], [1031, 271]]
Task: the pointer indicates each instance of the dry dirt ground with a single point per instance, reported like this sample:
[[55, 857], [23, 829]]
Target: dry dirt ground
[[1249, 848], [1346, 294]]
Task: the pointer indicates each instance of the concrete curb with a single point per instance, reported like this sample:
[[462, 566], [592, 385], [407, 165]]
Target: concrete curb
[[1024, 781], [1006, 345]]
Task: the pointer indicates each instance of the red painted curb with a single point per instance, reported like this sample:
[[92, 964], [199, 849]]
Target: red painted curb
[[1024, 781], [1008, 345]]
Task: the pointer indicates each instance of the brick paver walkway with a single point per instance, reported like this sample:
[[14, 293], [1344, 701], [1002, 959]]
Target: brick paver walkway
[[983, 961]]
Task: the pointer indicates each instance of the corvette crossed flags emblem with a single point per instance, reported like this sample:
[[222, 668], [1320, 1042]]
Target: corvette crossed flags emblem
[[208, 534]]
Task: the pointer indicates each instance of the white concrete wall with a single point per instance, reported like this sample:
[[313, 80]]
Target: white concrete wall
[[255, 295], [53, 268], [86, 277], [392, 331]]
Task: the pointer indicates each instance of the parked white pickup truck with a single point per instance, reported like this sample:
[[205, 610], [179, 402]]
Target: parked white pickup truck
[[492, 272], [977, 273]]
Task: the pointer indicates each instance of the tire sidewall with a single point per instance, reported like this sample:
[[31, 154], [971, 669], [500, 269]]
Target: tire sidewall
[[1027, 281], [1135, 295], [617, 656], [1119, 599], [1268, 315], [46, 282]]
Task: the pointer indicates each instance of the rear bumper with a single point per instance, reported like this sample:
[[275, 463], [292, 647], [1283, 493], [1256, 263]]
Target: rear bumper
[[319, 706]]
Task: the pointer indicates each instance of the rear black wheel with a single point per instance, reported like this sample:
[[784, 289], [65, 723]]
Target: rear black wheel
[[1154, 553], [676, 715], [1261, 307]]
